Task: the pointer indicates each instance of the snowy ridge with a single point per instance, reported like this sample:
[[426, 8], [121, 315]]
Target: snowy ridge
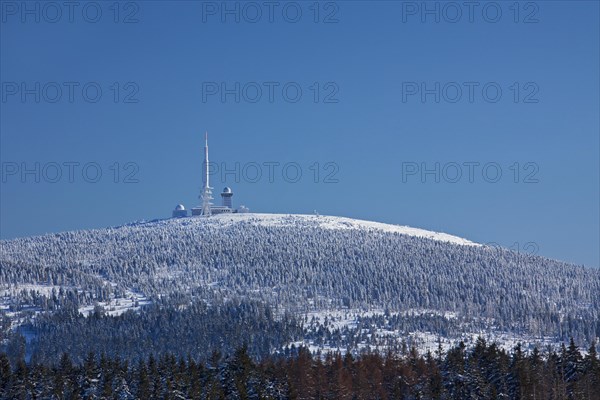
[[325, 222]]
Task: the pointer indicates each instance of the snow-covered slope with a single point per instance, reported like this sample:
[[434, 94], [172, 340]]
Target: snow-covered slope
[[331, 222], [305, 264]]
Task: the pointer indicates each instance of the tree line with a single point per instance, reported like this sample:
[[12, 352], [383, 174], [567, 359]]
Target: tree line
[[484, 371], [160, 328]]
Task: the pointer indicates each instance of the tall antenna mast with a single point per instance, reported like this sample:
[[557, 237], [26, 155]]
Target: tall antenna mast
[[206, 171], [206, 195]]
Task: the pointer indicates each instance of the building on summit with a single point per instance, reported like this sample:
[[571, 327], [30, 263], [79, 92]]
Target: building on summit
[[179, 211], [226, 203], [206, 207]]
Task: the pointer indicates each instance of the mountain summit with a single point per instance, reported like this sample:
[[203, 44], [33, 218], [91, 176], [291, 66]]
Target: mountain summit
[[314, 267]]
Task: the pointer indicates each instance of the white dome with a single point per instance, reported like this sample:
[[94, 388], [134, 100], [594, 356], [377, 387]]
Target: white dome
[[227, 190], [179, 207]]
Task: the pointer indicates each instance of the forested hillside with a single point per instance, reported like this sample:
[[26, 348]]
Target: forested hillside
[[301, 265]]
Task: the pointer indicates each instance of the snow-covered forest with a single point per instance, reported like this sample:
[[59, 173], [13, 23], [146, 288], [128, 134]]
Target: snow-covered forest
[[302, 265]]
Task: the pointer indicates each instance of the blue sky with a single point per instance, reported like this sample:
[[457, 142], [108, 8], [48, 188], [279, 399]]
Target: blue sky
[[387, 76]]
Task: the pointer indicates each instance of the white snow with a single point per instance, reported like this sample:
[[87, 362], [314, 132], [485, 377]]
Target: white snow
[[43, 290], [334, 319], [326, 222], [118, 305]]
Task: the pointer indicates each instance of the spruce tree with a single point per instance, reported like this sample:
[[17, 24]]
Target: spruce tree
[[5, 374]]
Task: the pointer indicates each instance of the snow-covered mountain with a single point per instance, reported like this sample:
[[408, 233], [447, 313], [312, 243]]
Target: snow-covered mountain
[[395, 279]]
